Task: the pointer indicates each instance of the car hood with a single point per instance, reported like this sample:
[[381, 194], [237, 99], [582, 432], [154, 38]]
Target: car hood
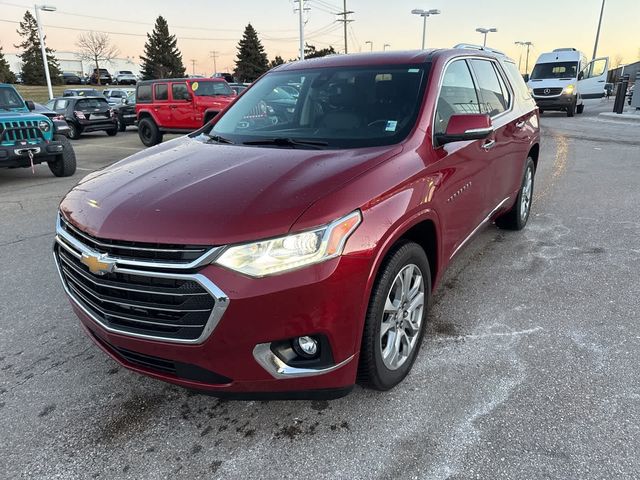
[[188, 192]]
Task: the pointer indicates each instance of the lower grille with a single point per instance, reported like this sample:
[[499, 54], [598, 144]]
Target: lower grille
[[171, 308], [185, 371], [547, 92]]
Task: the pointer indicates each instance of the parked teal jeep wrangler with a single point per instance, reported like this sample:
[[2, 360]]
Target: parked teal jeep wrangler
[[28, 138]]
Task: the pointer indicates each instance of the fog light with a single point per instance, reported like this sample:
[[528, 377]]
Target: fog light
[[306, 346]]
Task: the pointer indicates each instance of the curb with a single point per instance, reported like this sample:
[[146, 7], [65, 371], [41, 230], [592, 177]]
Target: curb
[[622, 117]]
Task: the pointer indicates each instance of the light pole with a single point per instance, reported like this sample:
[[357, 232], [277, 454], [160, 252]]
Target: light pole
[[384, 47], [370, 45], [424, 14], [595, 47], [44, 8], [485, 31], [528, 45]]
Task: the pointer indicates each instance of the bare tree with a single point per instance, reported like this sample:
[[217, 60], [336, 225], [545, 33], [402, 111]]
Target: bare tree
[[617, 61], [96, 47]]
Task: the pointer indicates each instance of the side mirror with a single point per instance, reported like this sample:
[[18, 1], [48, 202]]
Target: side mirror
[[580, 76], [525, 77], [465, 127], [30, 105]]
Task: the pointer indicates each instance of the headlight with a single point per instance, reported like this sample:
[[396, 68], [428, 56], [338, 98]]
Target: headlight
[[44, 125], [277, 255], [568, 89]]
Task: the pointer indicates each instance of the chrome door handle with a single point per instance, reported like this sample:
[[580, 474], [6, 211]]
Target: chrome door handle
[[520, 124], [488, 145]]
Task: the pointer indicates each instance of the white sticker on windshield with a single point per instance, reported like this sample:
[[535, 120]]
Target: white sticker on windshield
[[391, 126], [414, 70]]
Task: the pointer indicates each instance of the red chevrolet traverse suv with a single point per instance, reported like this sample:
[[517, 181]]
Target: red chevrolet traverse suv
[[292, 256]]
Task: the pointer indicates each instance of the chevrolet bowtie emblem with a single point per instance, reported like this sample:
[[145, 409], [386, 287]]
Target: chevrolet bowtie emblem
[[98, 264]]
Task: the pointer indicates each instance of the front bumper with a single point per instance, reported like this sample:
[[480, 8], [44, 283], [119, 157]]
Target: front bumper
[[558, 102], [18, 155], [325, 299]]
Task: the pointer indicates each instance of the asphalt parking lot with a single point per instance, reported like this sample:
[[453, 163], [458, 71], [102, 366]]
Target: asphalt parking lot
[[528, 371]]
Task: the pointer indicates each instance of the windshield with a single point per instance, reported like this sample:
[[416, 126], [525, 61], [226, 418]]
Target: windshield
[[211, 89], [555, 70], [9, 98], [125, 72], [341, 107]]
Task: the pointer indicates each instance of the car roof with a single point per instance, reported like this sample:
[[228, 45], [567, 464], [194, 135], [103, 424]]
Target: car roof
[[80, 97], [414, 57]]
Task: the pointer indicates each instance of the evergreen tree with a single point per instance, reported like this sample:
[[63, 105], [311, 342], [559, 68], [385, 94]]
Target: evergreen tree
[[31, 56], [311, 52], [252, 60], [6, 75], [162, 58], [276, 61]]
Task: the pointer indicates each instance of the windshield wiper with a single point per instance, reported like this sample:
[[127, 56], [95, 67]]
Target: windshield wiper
[[287, 142], [217, 139]]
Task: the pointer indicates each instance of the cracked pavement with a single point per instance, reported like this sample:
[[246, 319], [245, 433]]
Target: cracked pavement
[[528, 369]]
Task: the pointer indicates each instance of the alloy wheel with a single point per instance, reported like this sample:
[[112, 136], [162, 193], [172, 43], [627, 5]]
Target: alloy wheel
[[402, 317], [527, 187]]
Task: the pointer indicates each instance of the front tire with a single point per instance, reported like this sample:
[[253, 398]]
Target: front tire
[[148, 132], [580, 108], [113, 132], [121, 125], [396, 317], [516, 218], [571, 110], [65, 164]]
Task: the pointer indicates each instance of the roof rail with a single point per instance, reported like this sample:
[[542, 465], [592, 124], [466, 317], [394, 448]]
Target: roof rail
[[565, 50], [470, 46]]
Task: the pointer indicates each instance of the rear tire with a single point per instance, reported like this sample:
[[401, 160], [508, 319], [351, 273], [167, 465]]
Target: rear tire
[[148, 132], [580, 108], [65, 164], [74, 131], [516, 218], [393, 329]]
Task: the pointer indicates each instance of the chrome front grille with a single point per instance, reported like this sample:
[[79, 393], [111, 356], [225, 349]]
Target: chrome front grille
[[547, 92], [132, 300]]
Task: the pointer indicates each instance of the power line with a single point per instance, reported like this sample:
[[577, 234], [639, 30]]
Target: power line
[[345, 22]]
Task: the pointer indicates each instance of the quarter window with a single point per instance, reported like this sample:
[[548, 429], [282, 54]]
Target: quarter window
[[493, 91], [457, 95], [161, 91]]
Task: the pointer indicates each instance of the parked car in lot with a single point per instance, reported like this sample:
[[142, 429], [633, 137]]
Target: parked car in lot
[[28, 138], [126, 112], [238, 87], [70, 78], [85, 114], [104, 75], [179, 105], [301, 256], [60, 125], [125, 77], [116, 96], [81, 92]]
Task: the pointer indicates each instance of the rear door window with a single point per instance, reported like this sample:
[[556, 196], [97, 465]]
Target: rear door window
[[494, 93], [161, 91], [457, 95]]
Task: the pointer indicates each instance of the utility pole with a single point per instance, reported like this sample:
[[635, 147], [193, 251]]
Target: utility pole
[[526, 67], [595, 47], [301, 11], [345, 21], [43, 47], [214, 54], [193, 67]]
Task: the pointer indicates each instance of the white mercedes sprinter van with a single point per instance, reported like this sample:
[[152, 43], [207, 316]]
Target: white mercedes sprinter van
[[561, 79]]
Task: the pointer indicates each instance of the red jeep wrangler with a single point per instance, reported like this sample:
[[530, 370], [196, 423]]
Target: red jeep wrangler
[[178, 105]]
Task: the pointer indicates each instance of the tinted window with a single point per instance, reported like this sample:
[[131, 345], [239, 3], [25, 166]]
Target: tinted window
[[61, 104], [144, 94], [342, 107], [161, 91], [493, 92], [179, 91], [91, 104], [457, 95]]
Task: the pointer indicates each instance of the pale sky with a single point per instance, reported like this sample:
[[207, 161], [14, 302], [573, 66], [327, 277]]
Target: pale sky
[[202, 26]]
